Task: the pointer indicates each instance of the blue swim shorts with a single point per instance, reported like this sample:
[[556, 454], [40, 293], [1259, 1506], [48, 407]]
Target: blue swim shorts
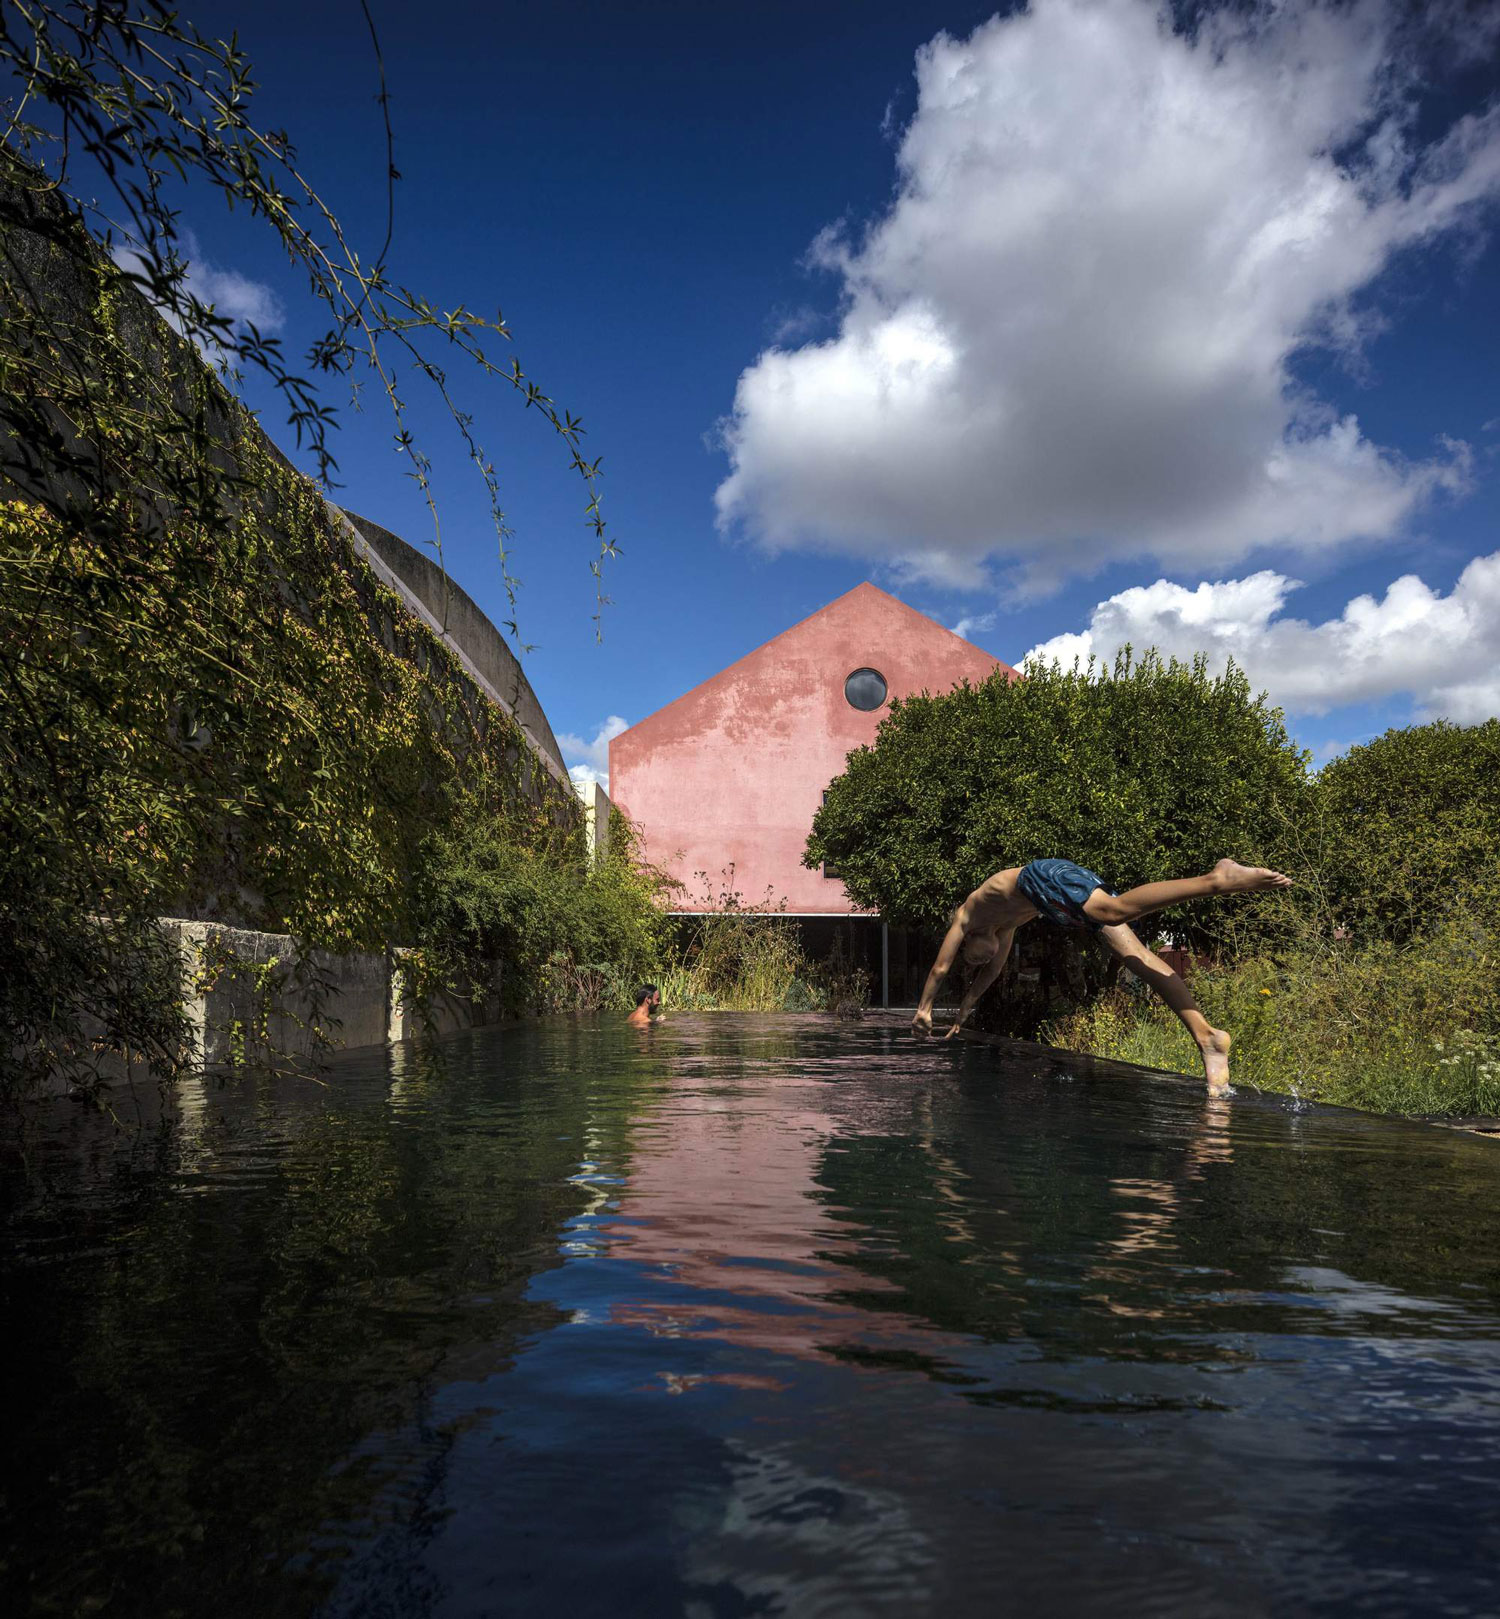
[[1058, 889]]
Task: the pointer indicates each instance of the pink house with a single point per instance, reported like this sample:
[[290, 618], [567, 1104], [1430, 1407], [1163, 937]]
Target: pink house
[[731, 773]]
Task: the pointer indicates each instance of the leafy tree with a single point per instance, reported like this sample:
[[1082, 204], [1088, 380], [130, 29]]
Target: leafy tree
[[1407, 827], [1143, 771]]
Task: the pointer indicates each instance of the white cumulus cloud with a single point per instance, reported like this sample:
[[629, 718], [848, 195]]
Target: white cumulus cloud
[[1442, 650], [585, 775], [1069, 338], [589, 761]]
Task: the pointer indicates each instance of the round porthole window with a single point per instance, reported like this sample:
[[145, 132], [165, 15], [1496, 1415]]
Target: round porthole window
[[865, 689]]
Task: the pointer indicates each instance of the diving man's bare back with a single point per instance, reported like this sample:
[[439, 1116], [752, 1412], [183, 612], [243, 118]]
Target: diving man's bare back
[[996, 904]]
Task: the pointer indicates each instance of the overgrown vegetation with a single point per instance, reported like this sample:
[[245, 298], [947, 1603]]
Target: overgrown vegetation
[[1376, 982], [739, 956], [570, 932], [1412, 1028], [741, 961], [211, 707], [117, 116]]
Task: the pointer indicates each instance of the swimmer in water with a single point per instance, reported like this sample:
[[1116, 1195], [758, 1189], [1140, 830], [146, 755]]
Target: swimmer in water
[[647, 1006]]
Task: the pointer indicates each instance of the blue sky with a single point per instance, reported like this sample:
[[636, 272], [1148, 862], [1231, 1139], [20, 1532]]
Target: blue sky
[[1056, 324]]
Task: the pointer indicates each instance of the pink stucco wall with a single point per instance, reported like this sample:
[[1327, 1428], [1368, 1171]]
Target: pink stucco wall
[[732, 772]]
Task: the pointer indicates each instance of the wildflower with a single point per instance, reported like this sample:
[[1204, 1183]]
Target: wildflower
[[1265, 992]]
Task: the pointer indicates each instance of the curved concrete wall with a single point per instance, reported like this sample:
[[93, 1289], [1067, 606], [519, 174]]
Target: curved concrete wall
[[61, 285], [459, 618]]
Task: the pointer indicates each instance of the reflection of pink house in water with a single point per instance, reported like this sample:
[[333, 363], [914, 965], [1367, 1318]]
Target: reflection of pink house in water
[[731, 773], [726, 1201]]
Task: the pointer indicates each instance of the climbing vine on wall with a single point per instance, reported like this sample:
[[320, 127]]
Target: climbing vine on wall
[[117, 115], [212, 706]]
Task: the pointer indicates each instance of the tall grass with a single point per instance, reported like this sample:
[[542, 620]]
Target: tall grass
[[743, 958], [1413, 1029], [741, 961]]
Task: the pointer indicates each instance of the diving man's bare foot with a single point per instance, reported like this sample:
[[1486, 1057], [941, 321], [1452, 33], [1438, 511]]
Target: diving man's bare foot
[[1233, 878], [1215, 1049]]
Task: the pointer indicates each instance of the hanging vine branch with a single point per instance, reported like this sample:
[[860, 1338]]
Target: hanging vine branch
[[118, 105], [210, 706]]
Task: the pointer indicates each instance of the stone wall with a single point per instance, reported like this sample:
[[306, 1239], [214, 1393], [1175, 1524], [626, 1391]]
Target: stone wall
[[248, 994], [248, 999], [59, 285]]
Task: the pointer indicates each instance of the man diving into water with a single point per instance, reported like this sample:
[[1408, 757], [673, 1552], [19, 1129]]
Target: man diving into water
[[982, 928]]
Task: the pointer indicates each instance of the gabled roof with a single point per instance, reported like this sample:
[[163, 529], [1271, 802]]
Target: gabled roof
[[862, 601]]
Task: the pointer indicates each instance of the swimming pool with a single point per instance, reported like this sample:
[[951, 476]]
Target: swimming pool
[[749, 1315]]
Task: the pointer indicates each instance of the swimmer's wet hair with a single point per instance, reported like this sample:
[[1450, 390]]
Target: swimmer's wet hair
[[644, 994]]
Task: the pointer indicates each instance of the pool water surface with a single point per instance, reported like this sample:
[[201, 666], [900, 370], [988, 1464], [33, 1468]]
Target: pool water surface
[[747, 1315]]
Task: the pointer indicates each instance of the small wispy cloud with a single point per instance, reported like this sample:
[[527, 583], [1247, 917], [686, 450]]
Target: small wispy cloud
[[237, 298], [588, 761], [798, 325], [973, 622], [585, 775], [1324, 751]]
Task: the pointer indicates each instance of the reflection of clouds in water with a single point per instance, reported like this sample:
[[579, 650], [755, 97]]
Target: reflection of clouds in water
[[1323, 1288], [785, 1539], [581, 1236]]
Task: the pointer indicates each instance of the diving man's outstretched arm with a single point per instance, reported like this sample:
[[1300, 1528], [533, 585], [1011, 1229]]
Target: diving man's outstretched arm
[[982, 980], [946, 956]]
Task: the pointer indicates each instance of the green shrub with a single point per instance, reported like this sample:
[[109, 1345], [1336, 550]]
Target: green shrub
[[570, 932], [1146, 771], [1406, 829], [738, 959], [742, 957], [1371, 982]]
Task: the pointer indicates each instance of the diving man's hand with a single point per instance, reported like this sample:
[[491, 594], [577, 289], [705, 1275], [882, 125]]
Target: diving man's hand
[[921, 1023]]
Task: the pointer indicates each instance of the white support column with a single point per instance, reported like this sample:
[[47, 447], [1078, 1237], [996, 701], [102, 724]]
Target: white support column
[[596, 808]]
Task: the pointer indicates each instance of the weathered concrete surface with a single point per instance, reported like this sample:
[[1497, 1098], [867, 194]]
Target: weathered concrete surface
[[409, 1019], [456, 616], [245, 993], [248, 999], [733, 771]]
